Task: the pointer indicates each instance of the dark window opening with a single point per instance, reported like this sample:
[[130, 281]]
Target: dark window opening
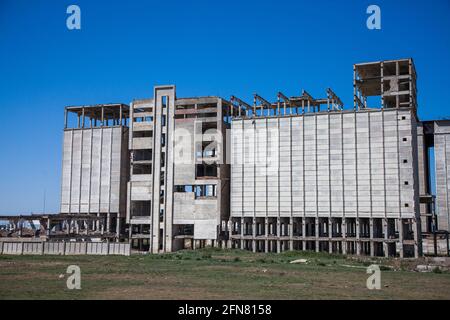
[[184, 229], [142, 155], [163, 159], [142, 168], [142, 134], [140, 208], [161, 179], [206, 171]]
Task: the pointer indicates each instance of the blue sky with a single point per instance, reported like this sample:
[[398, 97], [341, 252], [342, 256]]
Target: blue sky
[[221, 48]]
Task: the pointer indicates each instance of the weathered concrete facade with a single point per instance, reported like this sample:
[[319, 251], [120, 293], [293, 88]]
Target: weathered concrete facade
[[336, 180], [340, 182], [95, 163], [442, 166], [177, 194], [297, 174]]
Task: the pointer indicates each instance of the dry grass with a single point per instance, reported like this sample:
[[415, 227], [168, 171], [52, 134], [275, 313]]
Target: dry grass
[[214, 274]]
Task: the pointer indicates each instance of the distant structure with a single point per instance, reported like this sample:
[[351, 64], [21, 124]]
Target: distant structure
[[301, 173]]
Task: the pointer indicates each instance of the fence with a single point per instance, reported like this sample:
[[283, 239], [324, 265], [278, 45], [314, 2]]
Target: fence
[[64, 248]]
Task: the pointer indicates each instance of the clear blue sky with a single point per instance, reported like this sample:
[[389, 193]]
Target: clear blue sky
[[204, 47]]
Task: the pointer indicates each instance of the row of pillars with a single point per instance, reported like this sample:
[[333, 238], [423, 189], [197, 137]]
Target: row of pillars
[[358, 230]]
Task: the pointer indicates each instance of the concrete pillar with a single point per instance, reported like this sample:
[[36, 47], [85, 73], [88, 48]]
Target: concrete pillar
[[400, 235], [278, 230], [254, 234], [108, 222], [358, 243], [291, 234], [330, 228], [118, 226], [317, 233], [304, 233], [278, 235], [416, 238], [385, 244], [371, 233], [242, 233], [266, 234], [344, 235]]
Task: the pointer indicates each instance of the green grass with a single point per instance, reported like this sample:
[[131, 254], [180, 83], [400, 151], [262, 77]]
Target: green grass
[[216, 274]]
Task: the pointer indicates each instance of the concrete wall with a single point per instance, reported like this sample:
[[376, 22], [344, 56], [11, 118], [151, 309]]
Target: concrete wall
[[321, 164], [442, 164], [93, 175], [64, 248]]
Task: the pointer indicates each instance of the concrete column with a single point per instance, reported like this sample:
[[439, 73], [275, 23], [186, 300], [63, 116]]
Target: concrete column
[[108, 222], [317, 233], [385, 244], [303, 233], [254, 234], [400, 235], [371, 233], [242, 232], [416, 238], [330, 228], [118, 226], [358, 243], [1, 247], [266, 234], [291, 234], [278, 235], [344, 235]]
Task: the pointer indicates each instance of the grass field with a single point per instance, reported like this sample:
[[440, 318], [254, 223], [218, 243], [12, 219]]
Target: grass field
[[215, 274]]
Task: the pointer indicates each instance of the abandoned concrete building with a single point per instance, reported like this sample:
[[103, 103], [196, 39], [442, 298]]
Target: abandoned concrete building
[[178, 193], [301, 173], [309, 175]]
